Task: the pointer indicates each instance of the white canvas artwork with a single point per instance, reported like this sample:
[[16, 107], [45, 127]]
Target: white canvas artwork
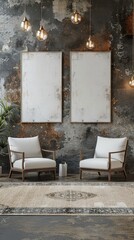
[[41, 87], [90, 86]]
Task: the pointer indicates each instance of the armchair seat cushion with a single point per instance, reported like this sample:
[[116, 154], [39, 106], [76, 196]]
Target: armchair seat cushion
[[35, 163], [100, 163]]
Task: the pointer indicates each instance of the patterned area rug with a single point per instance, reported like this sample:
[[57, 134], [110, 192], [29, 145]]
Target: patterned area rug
[[61, 198]]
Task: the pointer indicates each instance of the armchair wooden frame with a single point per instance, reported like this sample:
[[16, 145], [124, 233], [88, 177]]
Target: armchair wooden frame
[[109, 170], [23, 170]]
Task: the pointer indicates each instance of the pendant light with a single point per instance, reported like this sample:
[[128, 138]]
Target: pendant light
[[131, 82], [41, 33], [25, 24], [90, 44], [75, 17]]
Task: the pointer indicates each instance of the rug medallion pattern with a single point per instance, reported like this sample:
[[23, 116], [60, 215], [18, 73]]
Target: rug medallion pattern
[[71, 195]]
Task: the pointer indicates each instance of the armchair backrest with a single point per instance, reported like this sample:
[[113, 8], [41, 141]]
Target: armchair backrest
[[30, 146], [105, 145]]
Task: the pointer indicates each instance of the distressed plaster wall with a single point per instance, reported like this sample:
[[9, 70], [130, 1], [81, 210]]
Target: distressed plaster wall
[[112, 29]]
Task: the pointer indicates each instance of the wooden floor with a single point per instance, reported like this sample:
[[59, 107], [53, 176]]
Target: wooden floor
[[67, 227]]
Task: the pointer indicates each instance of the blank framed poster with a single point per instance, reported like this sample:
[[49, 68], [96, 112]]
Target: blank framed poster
[[90, 86], [41, 87]]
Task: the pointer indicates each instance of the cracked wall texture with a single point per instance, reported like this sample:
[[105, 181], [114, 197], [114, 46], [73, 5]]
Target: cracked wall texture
[[112, 29]]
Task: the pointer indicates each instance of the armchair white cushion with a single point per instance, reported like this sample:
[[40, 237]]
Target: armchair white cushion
[[26, 155], [35, 163], [109, 156], [100, 163], [30, 146], [105, 145]]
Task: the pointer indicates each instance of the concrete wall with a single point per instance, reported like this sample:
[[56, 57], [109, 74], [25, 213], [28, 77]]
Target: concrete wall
[[112, 29]]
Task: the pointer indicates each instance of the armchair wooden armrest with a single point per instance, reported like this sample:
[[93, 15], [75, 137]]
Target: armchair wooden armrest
[[81, 155], [17, 152], [110, 153], [49, 151], [110, 156]]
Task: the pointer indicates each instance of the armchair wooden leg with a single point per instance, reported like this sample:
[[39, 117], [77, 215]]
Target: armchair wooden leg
[[99, 173], [124, 171], [23, 176], [80, 173], [109, 176], [54, 174], [10, 173], [38, 175]]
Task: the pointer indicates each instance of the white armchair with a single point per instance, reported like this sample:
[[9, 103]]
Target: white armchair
[[26, 156], [110, 156]]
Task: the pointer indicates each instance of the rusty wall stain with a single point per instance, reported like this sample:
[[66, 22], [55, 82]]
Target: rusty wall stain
[[49, 137], [12, 86], [129, 24]]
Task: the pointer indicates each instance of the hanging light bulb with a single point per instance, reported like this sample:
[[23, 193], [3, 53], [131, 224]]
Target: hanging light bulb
[[131, 82], [90, 44], [76, 18], [25, 25], [41, 33]]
